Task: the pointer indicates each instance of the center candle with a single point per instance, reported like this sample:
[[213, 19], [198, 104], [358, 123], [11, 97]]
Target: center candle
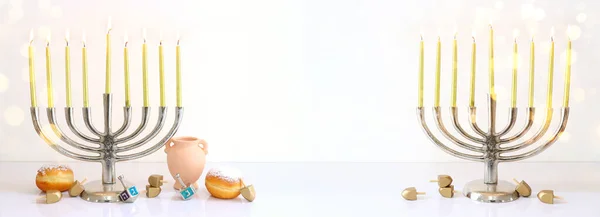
[[491, 61], [107, 88], [126, 69]]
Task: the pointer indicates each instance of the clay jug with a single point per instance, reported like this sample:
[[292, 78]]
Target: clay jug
[[186, 156]]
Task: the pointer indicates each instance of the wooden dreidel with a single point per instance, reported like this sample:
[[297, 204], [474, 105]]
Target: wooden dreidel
[[52, 196], [186, 192], [130, 194], [447, 192], [152, 192], [77, 188], [523, 188], [443, 181], [248, 192], [411, 193], [156, 180], [547, 196]]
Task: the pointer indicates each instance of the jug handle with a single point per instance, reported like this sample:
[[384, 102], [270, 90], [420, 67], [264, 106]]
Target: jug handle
[[168, 145], [204, 145]]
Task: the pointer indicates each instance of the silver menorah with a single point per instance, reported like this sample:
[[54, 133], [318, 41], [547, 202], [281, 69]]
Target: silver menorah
[[493, 146], [105, 145], [109, 144]]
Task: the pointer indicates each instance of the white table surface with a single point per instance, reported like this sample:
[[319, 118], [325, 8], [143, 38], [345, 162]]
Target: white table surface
[[318, 189]]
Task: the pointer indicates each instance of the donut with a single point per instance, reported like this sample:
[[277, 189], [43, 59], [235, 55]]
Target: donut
[[224, 182], [54, 177]]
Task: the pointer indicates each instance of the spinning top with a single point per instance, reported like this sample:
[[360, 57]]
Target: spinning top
[[186, 192], [152, 192], [411, 193], [248, 192], [443, 181], [53, 196], [129, 194], [547, 196], [156, 180], [447, 192], [523, 188], [77, 188]]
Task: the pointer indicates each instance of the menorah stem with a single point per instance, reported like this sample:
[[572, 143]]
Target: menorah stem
[[108, 171], [490, 172], [107, 99]]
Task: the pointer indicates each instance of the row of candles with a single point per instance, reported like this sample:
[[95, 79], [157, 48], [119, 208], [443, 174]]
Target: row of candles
[[108, 71], [491, 71]]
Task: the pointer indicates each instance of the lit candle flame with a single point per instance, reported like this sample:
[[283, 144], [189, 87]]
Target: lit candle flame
[[532, 34], [31, 37], [473, 35], [569, 32], [515, 34], [109, 26], [83, 38], [144, 34], [67, 36], [48, 40], [552, 34], [178, 38]]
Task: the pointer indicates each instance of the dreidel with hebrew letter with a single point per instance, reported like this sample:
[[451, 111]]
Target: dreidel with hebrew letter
[[186, 192], [129, 194]]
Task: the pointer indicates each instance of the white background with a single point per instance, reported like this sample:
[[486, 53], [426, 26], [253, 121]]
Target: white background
[[292, 80]]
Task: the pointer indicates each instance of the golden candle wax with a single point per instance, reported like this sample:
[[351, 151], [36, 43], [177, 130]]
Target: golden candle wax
[[68, 69], [550, 72], [178, 73], [491, 61], [421, 75], [473, 69], [85, 73], [49, 74], [531, 71], [107, 88], [514, 72], [568, 75], [161, 71], [437, 73], [145, 71], [126, 69], [32, 72], [454, 70]]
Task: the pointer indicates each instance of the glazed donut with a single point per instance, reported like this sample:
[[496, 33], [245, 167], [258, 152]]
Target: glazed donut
[[224, 182], [54, 177]]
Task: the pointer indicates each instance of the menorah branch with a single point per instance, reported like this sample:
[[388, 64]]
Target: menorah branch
[[473, 122], [139, 129], [541, 132], [36, 125], [161, 143], [87, 119], [440, 124], [59, 133], [512, 119], [71, 124], [421, 114], [162, 111], [460, 129], [547, 144], [126, 121], [522, 132]]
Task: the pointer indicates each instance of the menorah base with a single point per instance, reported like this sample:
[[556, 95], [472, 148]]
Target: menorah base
[[502, 192], [97, 192]]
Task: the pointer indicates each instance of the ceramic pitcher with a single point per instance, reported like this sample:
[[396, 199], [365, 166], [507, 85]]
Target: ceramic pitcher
[[186, 156]]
